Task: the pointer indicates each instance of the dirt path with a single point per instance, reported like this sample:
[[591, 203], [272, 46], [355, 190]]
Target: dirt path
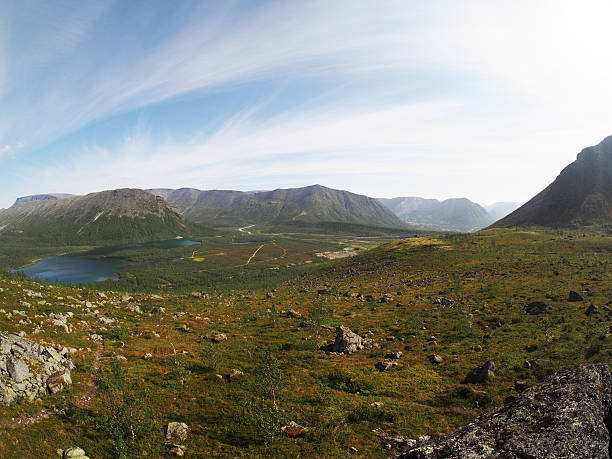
[[242, 230], [254, 253], [81, 401]]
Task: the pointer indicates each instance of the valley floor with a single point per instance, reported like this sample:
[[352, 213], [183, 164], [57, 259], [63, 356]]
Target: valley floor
[[237, 366]]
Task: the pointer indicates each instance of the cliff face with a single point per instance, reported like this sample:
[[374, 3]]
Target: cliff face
[[569, 415]]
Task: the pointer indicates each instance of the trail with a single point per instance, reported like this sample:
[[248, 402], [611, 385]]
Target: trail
[[254, 253], [242, 230], [81, 401]]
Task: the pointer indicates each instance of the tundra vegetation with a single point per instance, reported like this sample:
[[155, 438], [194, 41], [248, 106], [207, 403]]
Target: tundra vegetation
[[237, 355]]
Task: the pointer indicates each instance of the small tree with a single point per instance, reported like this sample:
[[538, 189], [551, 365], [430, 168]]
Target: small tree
[[269, 377], [127, 416]]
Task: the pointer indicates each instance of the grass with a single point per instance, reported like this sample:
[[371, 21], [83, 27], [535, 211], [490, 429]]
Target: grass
[[489, 277]]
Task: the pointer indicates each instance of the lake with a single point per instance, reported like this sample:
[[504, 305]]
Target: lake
[[72, 270], [172, 243]]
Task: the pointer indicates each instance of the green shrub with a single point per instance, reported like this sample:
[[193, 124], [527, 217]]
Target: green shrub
[[126, 416], [346, 382]]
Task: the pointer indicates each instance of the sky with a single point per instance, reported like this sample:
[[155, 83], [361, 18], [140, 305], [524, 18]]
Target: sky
[[484, 99]]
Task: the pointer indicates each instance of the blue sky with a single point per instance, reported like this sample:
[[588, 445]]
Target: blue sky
[[483, 99]]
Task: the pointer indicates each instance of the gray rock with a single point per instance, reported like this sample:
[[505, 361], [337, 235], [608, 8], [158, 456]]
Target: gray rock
[[481, 374], [568, 415], [176, 434], [17, 369], [74, 453], [346, 341], [18, 355], [538, 363]]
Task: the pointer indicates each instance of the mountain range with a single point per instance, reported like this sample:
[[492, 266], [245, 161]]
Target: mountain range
[[457, 214], [581, 194], [312, 204], [116, 215], [132, 214]]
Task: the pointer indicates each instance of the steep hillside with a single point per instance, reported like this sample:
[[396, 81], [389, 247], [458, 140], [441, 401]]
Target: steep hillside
[[458, 214], [119, 215], [499, 210], [580, 195], [313, 204]]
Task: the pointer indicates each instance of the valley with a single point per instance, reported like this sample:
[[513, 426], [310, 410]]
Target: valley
[[198, 356]]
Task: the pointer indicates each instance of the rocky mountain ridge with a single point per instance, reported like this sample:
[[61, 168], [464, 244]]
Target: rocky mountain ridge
[[580, 195]]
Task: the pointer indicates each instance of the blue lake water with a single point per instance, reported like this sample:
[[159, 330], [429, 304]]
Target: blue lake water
[[72, 270], [172, 243]]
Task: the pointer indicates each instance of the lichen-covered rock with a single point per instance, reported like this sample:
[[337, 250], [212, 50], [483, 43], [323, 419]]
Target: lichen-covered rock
[[28, 370], [346, 341], [568, 415]]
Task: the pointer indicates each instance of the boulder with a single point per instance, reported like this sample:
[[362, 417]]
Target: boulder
[[346, 341], [385, 365], [537, 307], [219, 337], [28, 370], [568, 415], [574, 296], [436, 359], [481, 373], [293, 429], [74, 453], [58, 381], [176, 433], [537, 363], [592, 309], [394, 439], [17, 369]]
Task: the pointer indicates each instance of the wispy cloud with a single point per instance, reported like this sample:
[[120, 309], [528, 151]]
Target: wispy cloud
[[531, 89], [420, 148]]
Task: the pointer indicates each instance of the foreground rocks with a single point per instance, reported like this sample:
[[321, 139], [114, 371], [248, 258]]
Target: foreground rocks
[[568, 415], [29, 370]]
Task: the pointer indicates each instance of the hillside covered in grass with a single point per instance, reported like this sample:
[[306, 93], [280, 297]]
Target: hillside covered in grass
[[237, 366]]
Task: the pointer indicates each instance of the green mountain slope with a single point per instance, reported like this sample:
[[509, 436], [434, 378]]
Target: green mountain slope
[[313, 204], [458, 214], [580, 195], [118, 215]]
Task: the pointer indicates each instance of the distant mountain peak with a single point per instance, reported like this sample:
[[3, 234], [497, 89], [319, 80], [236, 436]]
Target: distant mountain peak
[[454, 214], [42, 197]]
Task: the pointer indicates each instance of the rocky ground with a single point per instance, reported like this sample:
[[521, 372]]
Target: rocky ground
[[381, 353]]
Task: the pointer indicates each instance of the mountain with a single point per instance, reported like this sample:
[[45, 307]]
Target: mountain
[[310, 205], [499, 210], [43, 197], [580, 195], [117, 215], [459, 214]]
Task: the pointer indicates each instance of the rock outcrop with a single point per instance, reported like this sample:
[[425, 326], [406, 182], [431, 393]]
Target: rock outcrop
[[29, 370], [346, 341], [568, 415]]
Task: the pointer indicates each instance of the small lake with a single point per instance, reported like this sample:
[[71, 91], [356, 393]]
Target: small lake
[[72, 270], [172, 243]]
